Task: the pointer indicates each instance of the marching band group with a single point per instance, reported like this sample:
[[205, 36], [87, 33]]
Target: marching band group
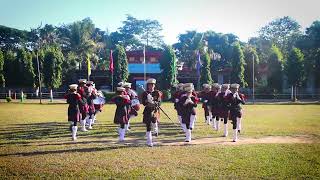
[[220, 103]]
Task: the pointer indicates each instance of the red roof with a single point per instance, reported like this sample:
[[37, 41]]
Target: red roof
[[139, 53]]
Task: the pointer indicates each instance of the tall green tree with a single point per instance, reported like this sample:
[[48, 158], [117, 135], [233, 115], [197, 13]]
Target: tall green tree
[[276, 67], [25, 67], [205, 74], [120, 63], [295, 67], [283, 32], [168, 64], [52, 67], [2, 79], [69, 65], [237, 63], [251, 58], [11, 69], [135, 33]]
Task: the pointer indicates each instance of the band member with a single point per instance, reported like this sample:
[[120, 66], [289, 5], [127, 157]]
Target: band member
[[91, 95], [235, 109], [223, 106], [98, 102], [151, 99], [135, 104], [205, 97], [84, 109], [216, 88], [74, 116], [188, 103], [121, 115], [177, 106]]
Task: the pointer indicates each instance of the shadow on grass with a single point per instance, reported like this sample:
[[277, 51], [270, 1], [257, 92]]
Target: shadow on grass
[[80, 150], [32, 133]]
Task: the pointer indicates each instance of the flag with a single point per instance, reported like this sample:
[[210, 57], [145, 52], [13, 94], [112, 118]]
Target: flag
[[111, 63], [89, 65], [198, 64]]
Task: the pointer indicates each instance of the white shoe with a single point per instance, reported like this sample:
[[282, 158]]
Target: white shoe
[[184, 127], [74, 132], [208, 120], [156, 129], [235, 135], [214, 124], [149, 139], [218, 124], [90, 124], [83, 125], [121, 134], [225, 134], [192, 121], [188, 135], [239, 124]]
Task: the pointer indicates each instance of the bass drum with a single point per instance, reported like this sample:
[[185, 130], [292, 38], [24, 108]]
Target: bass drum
[[99, 100], [135, 104]]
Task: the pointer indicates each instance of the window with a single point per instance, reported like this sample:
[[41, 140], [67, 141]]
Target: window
[[153, 59], [131, 59]]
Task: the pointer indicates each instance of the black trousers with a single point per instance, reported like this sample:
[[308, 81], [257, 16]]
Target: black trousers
[[122, 125], [149, 126]]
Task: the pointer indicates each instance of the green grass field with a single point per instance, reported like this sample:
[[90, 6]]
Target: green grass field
[[35, 143]]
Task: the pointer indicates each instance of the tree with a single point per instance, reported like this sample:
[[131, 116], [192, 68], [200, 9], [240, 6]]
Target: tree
[[205, 77], [2, 79], [69, 65], [282, 32], [135, 33], [12, 39], [121, 72], [188, 46], [11, 69], [295, 68], [52, 69], [311, 50], [237, 63], [25, 68], [250, 56], [275, 66], [168, 64]]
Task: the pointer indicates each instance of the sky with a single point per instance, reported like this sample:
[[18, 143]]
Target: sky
[[240, 17]]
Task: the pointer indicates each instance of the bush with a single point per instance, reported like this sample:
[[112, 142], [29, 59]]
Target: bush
[[108, 95], [8, 99]]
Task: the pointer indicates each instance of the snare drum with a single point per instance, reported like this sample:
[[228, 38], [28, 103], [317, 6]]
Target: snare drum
[[135, 104]]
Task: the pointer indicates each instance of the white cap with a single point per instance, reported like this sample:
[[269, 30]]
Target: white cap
[[120, 84], [189, 88], [90, 82], [126, 85], [226, 86], [216, 86], [73, 86], [234, 86], [151, 81], [121, 89], [206, 86], [82, 81]]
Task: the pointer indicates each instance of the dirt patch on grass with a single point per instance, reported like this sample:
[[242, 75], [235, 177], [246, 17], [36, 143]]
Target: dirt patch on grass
[[245, 140]]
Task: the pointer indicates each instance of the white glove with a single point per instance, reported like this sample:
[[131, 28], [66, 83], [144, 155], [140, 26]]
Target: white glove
[[149, 98], [176, 100], [188, 101], [205, 101]]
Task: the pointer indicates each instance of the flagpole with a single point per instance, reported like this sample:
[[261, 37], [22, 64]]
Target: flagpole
[[111, 69], [144, 64]]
